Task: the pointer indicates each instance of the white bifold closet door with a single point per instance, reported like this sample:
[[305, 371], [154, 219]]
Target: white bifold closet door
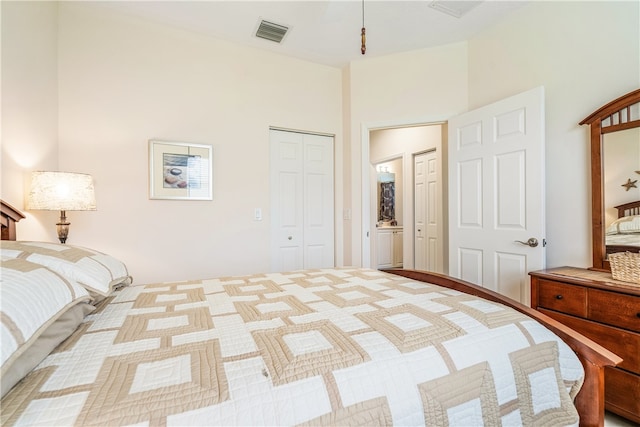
[[302, 205]]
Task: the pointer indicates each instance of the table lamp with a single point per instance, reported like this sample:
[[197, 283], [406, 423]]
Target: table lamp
[[61, 191]]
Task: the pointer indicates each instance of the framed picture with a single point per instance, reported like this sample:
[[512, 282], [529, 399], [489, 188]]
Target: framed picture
[[180, 170]]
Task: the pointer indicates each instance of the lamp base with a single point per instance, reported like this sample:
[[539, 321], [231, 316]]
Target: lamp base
[[63, 227]]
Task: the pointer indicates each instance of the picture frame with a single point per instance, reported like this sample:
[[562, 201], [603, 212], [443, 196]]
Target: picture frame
[[180, 170]]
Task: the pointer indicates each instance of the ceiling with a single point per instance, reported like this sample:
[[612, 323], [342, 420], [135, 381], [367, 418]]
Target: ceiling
[[326, 31]]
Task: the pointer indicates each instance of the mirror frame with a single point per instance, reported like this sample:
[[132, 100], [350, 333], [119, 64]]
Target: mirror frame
[[615, 116]]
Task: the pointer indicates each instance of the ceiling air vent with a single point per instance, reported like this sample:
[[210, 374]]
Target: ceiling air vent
[[270, 31]]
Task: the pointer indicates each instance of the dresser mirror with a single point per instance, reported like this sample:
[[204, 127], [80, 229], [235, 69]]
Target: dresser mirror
[[615, 177]]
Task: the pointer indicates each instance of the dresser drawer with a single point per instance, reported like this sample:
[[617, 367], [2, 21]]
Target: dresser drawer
[[624, 343], [562, 297], [607, 312], [615, 309], [622, 393]]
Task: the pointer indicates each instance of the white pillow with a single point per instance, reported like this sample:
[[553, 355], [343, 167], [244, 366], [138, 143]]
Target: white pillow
[[99, 273], [625, 225], [33, 299]]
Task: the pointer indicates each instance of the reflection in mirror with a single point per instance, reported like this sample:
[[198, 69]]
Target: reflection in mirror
[[621, 178], [389, 177], [387, 189]]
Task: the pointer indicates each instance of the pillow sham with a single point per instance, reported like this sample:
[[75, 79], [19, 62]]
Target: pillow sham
[[99, 273], [36, 303], [625, 225], [53, 335]]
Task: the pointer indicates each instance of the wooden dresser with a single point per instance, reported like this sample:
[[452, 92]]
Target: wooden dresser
[[605, 310]]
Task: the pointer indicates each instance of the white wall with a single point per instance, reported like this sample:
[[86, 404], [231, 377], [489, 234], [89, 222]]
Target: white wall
[[123, 81], [585, 54], [388, 143], [29, 106]]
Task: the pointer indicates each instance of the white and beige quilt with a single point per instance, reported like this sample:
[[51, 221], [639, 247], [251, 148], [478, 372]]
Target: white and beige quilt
[[316, 347]]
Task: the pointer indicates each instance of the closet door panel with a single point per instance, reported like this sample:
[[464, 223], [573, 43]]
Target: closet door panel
[[302, 213]]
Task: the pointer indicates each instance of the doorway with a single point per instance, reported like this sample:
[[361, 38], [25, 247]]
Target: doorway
[[403, 142]]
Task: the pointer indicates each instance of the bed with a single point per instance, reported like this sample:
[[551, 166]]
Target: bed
[[623, 235], [340, 346]]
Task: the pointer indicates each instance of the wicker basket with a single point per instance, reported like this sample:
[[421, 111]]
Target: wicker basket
[[625, 266]]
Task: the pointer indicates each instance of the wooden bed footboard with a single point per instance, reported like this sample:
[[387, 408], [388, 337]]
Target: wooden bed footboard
[[590, 400]]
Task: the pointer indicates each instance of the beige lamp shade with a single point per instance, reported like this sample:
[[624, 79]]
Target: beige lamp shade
[[61, 191]]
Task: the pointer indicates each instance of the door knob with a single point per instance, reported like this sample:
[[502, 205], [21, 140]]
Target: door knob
[[290, 237], [533, 242]]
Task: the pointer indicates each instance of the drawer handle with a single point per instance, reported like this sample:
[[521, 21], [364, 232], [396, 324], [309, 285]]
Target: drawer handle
[[560, 297]]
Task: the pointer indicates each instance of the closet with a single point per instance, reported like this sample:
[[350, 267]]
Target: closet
[[302, 200]]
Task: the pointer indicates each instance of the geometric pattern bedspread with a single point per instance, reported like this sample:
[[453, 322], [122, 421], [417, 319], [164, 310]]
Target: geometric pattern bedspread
[[316, 347]]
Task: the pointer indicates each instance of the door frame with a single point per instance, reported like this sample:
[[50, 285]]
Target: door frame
[[365, 189]]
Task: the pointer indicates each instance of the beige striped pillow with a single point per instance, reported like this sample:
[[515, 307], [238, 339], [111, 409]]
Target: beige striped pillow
[[33, 298], [99, 273]]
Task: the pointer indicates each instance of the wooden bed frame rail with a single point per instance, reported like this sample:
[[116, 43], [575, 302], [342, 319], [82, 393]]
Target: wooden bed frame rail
[[594, 357]]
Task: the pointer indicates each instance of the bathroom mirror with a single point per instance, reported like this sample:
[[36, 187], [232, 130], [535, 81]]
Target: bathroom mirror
[[389, 192], [386, 197]]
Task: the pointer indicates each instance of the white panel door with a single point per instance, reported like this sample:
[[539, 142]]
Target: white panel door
[[427, 200], [496, 194], [287, 251], [420, 249], [302, 223], [318, 201], [434, 202]]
